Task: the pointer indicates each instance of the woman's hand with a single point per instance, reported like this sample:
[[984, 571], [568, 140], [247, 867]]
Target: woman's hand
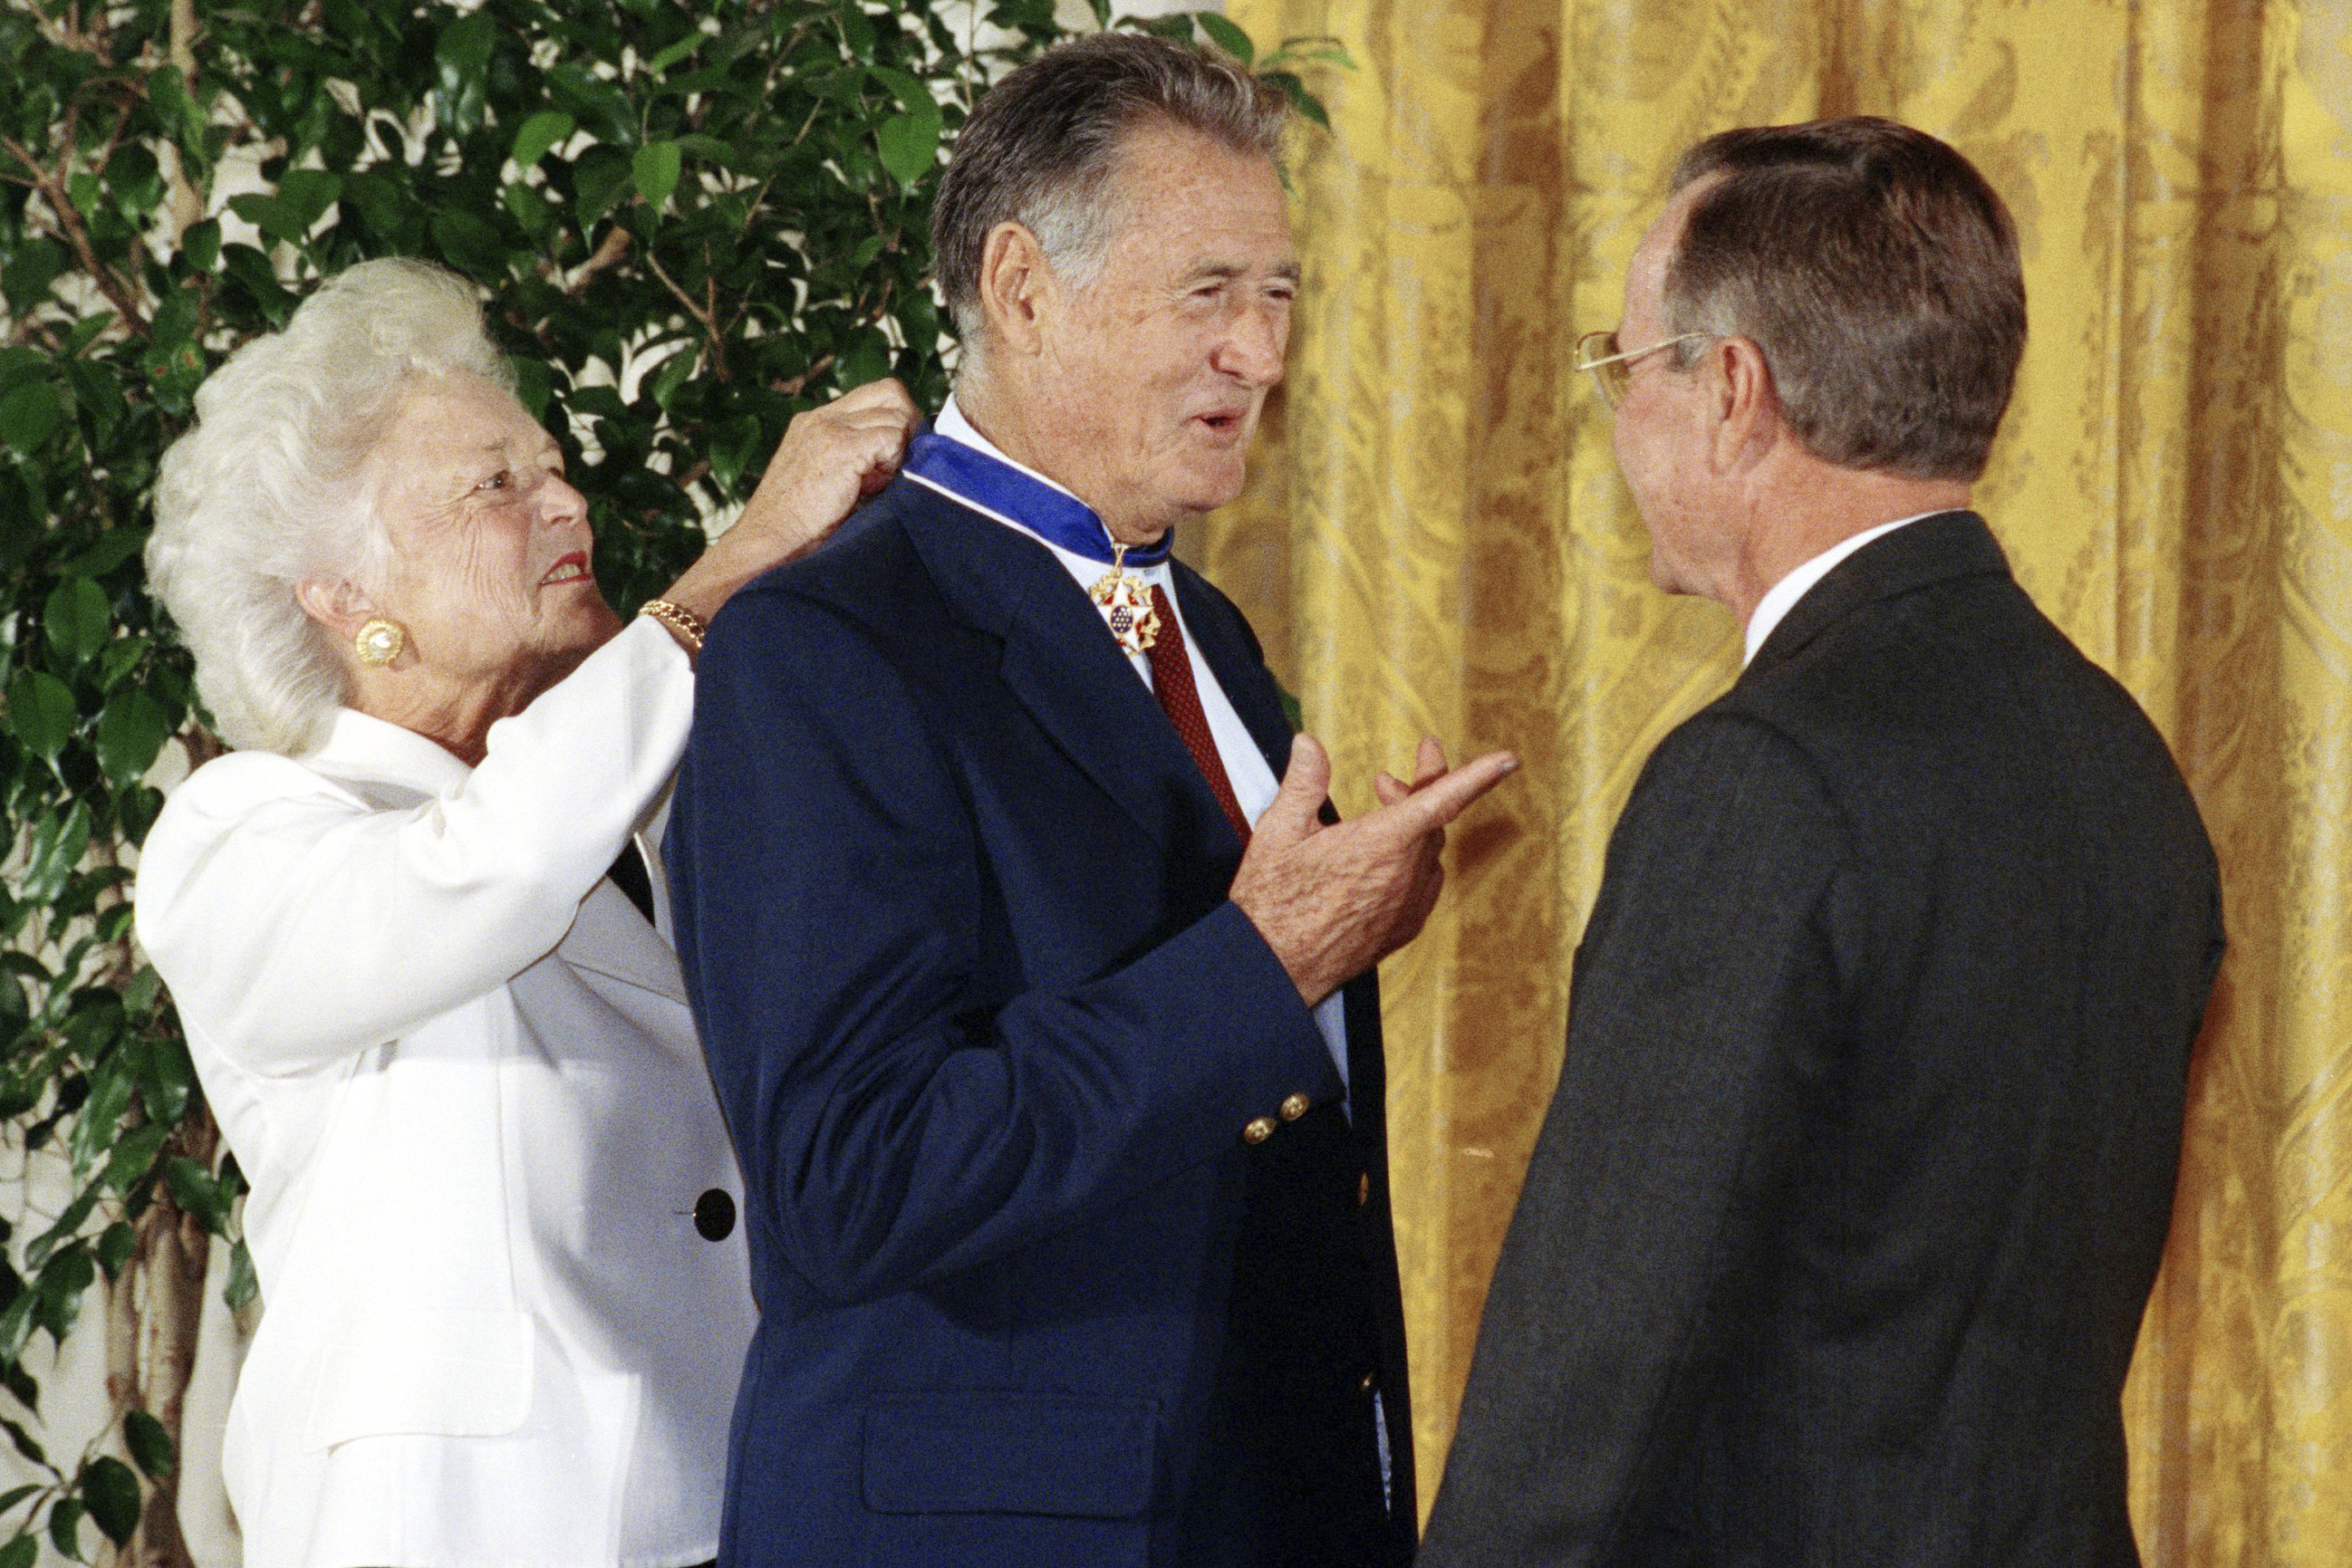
[[830, 459]]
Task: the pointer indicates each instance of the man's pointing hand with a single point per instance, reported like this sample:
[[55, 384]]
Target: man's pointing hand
[[1333, 901]]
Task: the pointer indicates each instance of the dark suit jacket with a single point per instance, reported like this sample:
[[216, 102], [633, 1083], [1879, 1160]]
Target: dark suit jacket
[[1837, 1236], [951, 901]]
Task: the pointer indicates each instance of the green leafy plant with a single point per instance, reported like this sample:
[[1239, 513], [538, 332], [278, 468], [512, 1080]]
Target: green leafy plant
[[690, 222]]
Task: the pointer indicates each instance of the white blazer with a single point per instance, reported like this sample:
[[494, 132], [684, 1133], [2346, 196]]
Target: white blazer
[[458, 1068]]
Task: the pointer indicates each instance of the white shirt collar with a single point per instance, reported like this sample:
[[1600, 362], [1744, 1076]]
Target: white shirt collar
[[952, 424], [1782, 596]]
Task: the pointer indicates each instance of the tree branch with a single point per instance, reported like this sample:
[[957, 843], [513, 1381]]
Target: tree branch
[[187, 202], [609, 252], [710, 328], [66, 219]]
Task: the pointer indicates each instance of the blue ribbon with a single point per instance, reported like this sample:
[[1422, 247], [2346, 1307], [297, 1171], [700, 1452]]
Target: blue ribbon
[[972, 475]]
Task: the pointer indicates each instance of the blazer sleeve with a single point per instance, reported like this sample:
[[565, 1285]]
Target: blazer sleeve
[[1706, 1013], [296, 924], [830, 890]]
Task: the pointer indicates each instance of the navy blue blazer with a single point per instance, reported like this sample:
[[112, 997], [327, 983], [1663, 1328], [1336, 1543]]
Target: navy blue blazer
[[950, 899]]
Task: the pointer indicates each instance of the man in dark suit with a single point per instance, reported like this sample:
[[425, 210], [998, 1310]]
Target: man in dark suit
[[1042, 1021], [1835, 1241]]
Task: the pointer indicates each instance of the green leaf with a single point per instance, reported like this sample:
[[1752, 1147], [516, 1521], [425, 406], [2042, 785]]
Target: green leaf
[[671, 376], [1226, 35], [134, 1157], [529, 207], [151, 1446], [99, 1121], [110, 549], [1305, 102], [120, 657], [63, 1280], [243, 1284], [31, 268], [471, 242], [677, 52], [462, 58], [131, 732], [532, 386], [25, 1442], [76, 618], [114, 1247], [303, 197], [195, 1190], [657, 167], [110, 1492], [540, 132], [252, 271], [29, 415], [906, 87], [41, 713], [65, 1527], [21, 1552], [909, 144], [601, 177]]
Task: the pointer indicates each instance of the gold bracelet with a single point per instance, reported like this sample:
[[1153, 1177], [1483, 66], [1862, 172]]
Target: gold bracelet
[[683, 623]]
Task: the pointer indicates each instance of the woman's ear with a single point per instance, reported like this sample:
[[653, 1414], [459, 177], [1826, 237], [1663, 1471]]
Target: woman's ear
[[340, 606]]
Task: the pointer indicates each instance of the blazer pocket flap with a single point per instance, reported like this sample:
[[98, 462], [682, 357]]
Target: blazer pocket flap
[[976, 1452], [445, 1373]]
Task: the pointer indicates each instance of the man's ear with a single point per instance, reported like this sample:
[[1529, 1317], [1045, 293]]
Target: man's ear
[[1017, 287], [340, 606], [1747, 408]]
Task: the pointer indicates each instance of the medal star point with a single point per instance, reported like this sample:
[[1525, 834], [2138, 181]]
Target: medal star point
[[1126, 602]]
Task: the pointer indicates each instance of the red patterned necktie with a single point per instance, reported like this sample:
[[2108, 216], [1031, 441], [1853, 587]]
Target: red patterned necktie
[[1171, 682]]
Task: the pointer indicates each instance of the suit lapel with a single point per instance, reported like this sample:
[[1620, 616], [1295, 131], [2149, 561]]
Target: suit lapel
[[1057, 659], [1947, 545]]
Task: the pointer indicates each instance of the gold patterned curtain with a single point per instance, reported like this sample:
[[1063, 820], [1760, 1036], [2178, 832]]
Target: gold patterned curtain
[[1436, 539]]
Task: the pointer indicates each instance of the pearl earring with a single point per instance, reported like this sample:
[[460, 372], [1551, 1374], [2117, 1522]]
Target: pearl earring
[[380, 642]]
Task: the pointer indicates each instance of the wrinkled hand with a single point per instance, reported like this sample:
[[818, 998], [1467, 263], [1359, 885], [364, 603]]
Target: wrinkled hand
[[1333, 901], [829, 460]]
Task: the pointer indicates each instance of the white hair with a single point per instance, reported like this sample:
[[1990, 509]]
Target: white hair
[[269, 488]]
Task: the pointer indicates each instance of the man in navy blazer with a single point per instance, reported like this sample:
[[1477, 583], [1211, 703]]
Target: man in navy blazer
[[1043, 1021]]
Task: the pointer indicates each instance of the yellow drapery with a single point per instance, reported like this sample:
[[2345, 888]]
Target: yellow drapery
[[1435, 539]]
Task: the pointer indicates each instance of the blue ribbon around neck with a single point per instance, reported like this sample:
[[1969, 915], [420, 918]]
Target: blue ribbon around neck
[[1061, 519]]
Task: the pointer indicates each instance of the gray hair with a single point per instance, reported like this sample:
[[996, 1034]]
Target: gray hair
[[1876, 269], [1041, 148], [270, 489]]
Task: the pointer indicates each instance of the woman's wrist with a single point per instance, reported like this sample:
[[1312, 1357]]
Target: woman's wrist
[[681, 623]]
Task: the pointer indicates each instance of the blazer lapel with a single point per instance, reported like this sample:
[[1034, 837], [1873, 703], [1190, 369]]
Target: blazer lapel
[[610, 937], [1947, 545], [1057, 660]]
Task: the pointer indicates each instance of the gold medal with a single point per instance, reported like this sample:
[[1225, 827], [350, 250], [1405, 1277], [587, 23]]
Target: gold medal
[[1125, 600]]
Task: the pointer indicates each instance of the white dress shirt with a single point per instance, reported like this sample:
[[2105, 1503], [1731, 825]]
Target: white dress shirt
[[1246, 770], [458, 1071], [1782, 596]]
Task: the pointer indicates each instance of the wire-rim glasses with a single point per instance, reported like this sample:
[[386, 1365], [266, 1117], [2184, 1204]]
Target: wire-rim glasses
[[1611, 367]]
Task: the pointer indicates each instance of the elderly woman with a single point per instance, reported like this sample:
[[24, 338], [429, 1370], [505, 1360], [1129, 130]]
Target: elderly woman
[[491, 1195]]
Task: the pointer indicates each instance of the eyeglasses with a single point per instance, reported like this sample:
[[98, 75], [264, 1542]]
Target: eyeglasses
[[1611, 367]]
